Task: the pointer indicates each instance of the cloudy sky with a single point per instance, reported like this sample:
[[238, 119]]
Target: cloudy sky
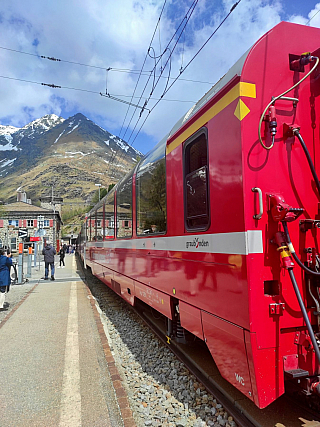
[[122, 36]]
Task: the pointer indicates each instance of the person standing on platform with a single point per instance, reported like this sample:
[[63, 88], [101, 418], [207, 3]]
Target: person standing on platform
[[49, 253], [5, 279], [62, 255]]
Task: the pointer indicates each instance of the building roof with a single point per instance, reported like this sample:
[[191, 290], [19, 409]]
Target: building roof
[[23, 207]]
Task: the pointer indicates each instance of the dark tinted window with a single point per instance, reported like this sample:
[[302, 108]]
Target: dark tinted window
[[151, 192], [196, 183], [124, 208]]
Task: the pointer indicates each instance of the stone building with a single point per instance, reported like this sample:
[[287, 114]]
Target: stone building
[[34, 221]]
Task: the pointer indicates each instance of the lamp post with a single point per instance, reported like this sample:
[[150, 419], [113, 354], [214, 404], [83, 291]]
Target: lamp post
[[54, 218], [98, 185]]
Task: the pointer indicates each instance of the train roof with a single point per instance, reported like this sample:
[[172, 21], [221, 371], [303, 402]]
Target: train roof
[[235, 70]]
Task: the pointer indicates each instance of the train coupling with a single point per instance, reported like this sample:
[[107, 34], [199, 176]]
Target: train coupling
[[281, 211]]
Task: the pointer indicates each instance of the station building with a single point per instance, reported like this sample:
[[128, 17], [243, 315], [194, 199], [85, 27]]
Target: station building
[[23, 218]]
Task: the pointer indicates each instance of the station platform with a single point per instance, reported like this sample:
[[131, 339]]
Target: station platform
[[56, 368]]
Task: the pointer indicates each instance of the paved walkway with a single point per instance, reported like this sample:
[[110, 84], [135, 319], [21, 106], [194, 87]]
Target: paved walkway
[[53, 370]]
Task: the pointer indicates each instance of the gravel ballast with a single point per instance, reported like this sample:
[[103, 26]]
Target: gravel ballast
[[161, 390]]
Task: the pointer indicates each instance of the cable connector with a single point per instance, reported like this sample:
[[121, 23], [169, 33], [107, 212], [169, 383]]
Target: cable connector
[[297, 63], [289, 130], [272, 121], [283, 249]]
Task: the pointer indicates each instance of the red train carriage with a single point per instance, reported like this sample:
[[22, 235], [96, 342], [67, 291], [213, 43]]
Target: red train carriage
[[199, 230]]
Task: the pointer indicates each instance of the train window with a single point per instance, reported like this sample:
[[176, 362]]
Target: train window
[[109, 216], [124, 208], [99, 223], [196, 182], [151, 192], [92, 227]]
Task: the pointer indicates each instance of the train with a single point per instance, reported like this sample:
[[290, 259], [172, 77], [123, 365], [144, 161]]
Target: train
[[216, 228]]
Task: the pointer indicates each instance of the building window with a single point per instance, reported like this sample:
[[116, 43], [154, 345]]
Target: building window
[[196, 182], [14, 222], [151, 192], [29, 222], [46, 223], [124, 207], [13, 244], [0, 243]]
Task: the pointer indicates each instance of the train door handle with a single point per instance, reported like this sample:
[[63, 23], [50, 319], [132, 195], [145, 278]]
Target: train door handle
[[258, 190]]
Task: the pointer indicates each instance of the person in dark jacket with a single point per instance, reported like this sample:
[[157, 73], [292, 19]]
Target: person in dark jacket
[[5, 279], [62, 255], [49, 253]]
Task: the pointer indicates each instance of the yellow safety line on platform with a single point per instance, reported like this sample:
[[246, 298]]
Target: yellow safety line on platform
[[240, 89]]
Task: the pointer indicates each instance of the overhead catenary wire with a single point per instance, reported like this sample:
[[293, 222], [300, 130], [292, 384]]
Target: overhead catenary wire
[[145, 59], [191, 60], [111, 96], [114, 154], [185, 18], [154, 68], [312, 17], [114, 69]]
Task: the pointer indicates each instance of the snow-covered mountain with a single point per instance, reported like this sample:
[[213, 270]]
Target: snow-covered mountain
[[23, 146], [75, 146], [7, 130]]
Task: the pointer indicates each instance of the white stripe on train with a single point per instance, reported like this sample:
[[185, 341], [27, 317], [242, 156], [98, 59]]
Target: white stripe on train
[[240, 243]]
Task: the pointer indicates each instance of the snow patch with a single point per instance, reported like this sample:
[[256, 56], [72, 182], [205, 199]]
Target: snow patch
[[75, 127], [77, 152], [59, 136], [8, 147], [122, 145], [5, 162]]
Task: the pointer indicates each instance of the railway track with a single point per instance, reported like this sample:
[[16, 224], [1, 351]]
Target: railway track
[[285, 412]]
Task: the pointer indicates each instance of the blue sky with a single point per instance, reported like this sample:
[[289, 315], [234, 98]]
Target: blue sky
[[116, 34]]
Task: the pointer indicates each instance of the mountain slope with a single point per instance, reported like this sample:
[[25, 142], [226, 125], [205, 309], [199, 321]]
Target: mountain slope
[[72, 154]]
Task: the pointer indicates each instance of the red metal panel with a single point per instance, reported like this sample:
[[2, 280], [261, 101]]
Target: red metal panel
[[266, 370], [126, 286], [226, 343], [190, 318], [156, 299]]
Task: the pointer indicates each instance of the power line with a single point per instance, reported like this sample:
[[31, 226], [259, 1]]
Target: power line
[[190, 11], [111, 96], [185, 18], [119, 70], [192, 59], [134, 91], [313, 17]]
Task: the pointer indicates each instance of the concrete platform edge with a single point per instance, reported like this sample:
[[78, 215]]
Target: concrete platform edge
[[120, 391]]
